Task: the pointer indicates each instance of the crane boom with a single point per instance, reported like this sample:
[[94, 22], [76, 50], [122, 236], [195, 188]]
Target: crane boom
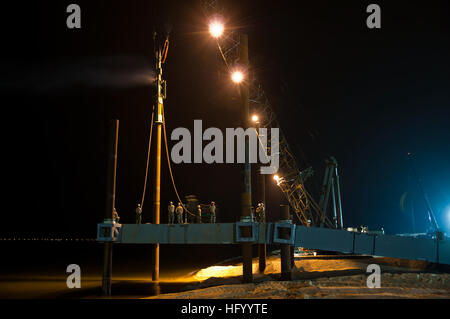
[[431, 216], [293, 176]]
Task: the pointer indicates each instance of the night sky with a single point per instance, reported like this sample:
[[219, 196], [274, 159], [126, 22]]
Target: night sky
[[367, 97]]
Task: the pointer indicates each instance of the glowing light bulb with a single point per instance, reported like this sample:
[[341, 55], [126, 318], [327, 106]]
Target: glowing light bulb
[[237, 76], [216, 29]]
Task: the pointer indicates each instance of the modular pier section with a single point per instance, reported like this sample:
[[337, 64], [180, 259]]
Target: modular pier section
[[426, 249]]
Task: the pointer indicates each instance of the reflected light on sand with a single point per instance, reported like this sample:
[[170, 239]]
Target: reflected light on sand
[[219, 271]]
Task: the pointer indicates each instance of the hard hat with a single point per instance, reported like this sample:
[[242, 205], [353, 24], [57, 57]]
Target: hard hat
[[170, 203], [139, 205], [179, 203]]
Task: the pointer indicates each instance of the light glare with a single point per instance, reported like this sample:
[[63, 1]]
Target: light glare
[[218, 272], [237, 76], [447, 217], [216, 29]]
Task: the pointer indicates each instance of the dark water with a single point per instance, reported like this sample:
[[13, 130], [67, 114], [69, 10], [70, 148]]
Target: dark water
[[37, 262]]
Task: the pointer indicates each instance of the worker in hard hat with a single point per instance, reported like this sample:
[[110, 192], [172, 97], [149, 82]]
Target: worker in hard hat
[[179, 211], [260, 211], [171, 212], [199, 214], [116, 217], [138, 214], [212, 211], [116, 224]]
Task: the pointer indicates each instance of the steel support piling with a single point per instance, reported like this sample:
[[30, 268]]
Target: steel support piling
[[110, 203], [285, 251], [262, 199], [107, 268]]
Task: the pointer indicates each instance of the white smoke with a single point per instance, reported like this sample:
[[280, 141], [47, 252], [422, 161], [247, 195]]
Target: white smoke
[[96, 72]]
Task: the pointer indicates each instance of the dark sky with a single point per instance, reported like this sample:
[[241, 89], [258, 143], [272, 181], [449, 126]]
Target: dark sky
[[365, 96]]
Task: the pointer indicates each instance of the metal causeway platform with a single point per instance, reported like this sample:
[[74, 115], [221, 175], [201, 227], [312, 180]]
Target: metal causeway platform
[[426, 249]]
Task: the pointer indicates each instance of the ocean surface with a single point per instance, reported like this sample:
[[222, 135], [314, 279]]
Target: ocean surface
[[37, 269]]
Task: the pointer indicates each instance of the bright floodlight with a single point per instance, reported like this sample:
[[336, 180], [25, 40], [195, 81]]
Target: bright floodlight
[[216, 29], [447, 212], [278, 179], [237, 76], [255, 118]]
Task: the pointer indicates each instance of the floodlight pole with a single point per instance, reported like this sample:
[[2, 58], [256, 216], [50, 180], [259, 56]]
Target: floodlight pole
[[246, 197], [261, 198]]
